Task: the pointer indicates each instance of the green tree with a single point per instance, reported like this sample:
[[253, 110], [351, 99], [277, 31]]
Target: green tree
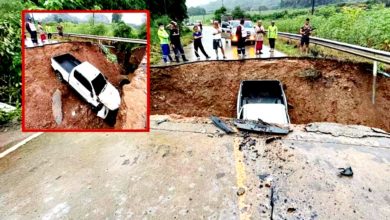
[[175, 9], [10, 51], [219, 12], [196, 11], [116, 18], [237, 13]]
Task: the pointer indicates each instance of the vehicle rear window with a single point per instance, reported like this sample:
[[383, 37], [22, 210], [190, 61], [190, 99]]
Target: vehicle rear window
[[99, 83], [82, 80]]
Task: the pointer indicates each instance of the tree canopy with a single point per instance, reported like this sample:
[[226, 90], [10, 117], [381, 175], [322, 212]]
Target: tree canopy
[[196, 11], [174, 9]]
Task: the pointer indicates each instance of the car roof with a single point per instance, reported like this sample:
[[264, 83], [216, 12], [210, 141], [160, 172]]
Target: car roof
[[88, 70]]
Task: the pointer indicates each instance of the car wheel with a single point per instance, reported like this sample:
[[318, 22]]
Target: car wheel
[[59, 76], [111, 117]]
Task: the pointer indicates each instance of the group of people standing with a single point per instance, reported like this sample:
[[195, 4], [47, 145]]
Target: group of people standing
[[41, 31], [173, 39]]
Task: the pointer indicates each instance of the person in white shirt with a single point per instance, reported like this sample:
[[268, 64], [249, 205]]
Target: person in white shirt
[[241, 38], [30, 26], [217, 42], [260, 31]]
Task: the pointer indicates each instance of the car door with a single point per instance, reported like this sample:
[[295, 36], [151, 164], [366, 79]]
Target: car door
[[82, 86]]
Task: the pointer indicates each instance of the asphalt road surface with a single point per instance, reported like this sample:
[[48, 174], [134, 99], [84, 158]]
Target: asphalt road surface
[[230, 50], [186, 169]]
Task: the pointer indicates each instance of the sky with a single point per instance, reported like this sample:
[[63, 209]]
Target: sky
[[193, 3], [129, 18]]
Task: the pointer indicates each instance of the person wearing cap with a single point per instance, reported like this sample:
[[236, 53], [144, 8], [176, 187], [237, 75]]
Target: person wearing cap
[[164, 43], [260, 31], [176, 42], [217, 42], [272, 35], [30, 26]]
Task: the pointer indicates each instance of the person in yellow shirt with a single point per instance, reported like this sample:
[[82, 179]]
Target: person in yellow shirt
[[272, 35], [164, 43]]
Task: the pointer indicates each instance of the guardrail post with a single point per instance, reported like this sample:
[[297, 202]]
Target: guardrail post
[[374, 73]]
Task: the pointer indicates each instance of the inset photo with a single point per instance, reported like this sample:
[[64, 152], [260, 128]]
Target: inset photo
[[85, 71]]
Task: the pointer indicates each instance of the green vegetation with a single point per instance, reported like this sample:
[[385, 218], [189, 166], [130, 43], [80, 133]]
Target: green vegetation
[[164, 11], [196, 11], [365, 26]]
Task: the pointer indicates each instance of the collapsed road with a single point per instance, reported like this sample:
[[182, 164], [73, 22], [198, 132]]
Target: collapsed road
[[41, 84], [317, 90], [165, 174]]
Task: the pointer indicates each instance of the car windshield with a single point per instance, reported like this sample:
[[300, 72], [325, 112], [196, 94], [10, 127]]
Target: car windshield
[[248, 24], [99, 83], [234, 24]]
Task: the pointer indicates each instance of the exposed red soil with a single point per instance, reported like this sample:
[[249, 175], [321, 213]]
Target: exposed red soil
[[40, 84], [133, 109], [342, 94]]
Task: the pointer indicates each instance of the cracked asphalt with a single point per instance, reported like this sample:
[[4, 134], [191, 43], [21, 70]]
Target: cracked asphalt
[[187, 169]]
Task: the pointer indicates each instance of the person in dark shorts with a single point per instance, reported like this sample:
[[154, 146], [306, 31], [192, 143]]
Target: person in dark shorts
[[305, 31], [176, 42], [241, 38], [198, 42], [30, 26], [217, 42]]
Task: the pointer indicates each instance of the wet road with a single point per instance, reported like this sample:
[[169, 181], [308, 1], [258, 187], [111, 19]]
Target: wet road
[[165, 174], [230, 50]]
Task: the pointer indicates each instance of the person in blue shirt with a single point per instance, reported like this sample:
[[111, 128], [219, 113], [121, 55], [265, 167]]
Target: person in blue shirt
[[198, 42]]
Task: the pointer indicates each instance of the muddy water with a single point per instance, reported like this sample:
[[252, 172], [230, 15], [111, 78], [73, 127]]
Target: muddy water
[[342, 93]]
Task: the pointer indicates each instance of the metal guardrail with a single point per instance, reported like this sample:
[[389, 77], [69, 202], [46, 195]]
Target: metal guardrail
[[369, 53], [107, 38]]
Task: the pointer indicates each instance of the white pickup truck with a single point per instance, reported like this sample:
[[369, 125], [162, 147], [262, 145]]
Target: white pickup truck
[[89, 83], [264, 100]]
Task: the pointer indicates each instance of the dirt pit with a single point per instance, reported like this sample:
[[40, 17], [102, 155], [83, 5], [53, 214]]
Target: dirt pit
[[341, 92], [41, 83]]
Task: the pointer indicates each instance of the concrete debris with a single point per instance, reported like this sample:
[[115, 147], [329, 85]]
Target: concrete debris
[[221, 125], [346, 171], [158, 122], [57, 106], [240, 191], [351, 131], [272, 139]]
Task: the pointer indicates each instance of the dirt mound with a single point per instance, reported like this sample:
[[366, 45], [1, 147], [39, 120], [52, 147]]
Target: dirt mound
[[340, 93], [40, 84]]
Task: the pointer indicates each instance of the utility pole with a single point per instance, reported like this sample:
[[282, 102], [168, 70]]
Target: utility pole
[[222, 3], [312, 6]]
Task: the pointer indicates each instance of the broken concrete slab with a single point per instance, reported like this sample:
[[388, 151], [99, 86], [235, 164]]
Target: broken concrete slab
[[304, 184], [352, 131], [57, 106]]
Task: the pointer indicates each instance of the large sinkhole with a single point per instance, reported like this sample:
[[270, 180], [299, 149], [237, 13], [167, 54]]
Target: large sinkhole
[[317, 90]]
